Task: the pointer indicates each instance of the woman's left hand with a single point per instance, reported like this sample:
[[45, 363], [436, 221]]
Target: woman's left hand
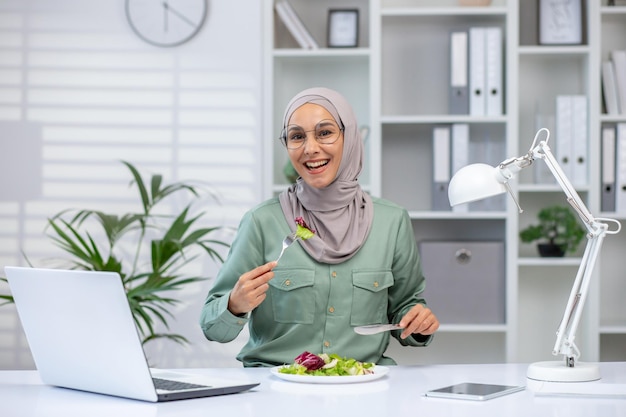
[[420, 319]]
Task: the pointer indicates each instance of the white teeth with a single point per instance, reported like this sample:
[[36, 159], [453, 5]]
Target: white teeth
[[318, 164]]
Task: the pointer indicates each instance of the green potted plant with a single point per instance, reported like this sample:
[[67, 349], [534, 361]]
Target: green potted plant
[[148, 249], [558, 232], [5, 298]]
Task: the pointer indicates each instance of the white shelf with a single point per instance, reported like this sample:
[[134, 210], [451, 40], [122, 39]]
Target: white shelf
[[440, 119], [449, 215], [399, 82], [549, 262], [613, 328], [547, 188], [321, 52], [443, 11], [578, 50], [613, 118], [613, 10], [473, 328]]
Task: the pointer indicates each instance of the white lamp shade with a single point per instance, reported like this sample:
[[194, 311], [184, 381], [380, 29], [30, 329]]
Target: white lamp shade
[[474, 182]]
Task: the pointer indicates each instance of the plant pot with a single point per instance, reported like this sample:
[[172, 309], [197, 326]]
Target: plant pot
[[549, 250]]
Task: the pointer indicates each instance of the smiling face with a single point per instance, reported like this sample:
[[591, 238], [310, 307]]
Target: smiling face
[[316, 163]]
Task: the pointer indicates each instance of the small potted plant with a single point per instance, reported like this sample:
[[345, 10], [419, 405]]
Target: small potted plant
[[557, 233]]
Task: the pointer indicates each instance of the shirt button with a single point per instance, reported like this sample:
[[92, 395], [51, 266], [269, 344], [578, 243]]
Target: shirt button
[[333, 274], [331, 309], [288, 282], [375, 284], [326, 344]]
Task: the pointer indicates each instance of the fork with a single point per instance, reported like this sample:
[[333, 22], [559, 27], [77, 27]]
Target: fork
[[287, 241]]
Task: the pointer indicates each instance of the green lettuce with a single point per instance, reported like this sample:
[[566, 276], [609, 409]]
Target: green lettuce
[[302, 229], [335, 365]]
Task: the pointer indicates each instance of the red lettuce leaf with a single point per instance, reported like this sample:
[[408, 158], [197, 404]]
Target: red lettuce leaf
[[310, 361]]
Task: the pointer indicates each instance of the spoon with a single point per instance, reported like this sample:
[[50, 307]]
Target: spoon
[[376, 328]]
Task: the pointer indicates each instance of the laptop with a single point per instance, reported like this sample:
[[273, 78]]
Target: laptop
[[82, 336]]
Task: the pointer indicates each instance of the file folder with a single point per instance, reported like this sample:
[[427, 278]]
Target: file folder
[[458, 101], [485, 147], [620, 191], [496, 153], [541, 172], [609, 89], [619, 61], [477, 71], [460, 154], [441, 168], [493, 89], [563, 132], [580, 141], [607, 202]]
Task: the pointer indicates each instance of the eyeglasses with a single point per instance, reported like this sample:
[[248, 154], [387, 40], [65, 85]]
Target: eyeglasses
[[326, 133]]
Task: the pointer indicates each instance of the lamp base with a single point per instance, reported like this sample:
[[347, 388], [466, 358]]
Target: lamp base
[[557, 371]]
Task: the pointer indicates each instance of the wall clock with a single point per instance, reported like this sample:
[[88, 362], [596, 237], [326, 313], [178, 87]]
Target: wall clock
[[166, 22]]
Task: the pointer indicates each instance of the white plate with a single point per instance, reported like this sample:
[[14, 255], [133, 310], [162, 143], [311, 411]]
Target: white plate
[[379, 372]]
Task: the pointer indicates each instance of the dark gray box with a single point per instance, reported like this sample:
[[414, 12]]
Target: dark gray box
[[465, 281]]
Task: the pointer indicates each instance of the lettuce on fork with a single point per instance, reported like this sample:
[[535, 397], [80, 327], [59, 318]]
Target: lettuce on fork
[[326, 365], [302, 229]]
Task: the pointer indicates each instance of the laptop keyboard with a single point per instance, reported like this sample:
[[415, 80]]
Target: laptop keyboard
[[169, 385]]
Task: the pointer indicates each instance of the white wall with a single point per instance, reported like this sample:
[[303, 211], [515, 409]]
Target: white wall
[[74, 71]]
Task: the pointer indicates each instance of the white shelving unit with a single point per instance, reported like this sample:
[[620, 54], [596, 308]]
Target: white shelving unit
[[397, 79], [291, 69], [611, 23]]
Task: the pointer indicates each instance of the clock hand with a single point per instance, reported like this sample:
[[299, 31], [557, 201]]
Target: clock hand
[[179, 14]]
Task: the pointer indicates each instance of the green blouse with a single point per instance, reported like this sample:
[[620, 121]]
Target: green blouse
[[312, 306]]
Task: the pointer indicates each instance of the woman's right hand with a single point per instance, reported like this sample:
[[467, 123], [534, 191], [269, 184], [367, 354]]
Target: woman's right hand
[[250, 289]]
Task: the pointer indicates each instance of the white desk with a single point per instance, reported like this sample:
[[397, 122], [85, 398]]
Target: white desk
[[399, 393]]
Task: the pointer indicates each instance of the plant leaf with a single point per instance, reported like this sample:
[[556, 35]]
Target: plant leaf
[[150, 281], [143, 192], [8, 299]]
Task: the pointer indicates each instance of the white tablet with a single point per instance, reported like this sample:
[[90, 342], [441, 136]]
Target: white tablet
[[473, 391]]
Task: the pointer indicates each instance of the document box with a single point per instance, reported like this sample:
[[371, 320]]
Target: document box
[[465, 281]]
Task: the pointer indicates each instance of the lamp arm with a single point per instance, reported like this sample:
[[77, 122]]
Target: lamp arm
[[542, 151], [566, 332], [478, 181], [597, 230]]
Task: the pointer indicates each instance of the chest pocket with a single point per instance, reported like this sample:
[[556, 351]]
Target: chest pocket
[[292, 294], [369, 296]]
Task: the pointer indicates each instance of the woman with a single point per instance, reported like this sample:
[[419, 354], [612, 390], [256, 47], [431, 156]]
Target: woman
[[361, 266]]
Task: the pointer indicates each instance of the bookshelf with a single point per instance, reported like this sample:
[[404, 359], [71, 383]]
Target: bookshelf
[[611, 24], [397, 78]]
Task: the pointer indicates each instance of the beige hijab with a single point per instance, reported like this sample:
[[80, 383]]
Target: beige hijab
[[341, 213]]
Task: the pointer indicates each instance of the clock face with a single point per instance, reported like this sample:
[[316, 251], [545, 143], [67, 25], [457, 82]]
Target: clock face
[[166, 22]]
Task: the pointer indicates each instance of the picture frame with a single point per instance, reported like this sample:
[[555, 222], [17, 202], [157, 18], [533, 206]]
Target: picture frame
[[343, 28], [560, 22]]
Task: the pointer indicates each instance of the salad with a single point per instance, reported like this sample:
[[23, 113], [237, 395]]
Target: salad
[[302, 229], [326, 365]]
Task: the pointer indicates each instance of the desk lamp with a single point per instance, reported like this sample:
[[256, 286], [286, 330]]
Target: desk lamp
[[478, 181]]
